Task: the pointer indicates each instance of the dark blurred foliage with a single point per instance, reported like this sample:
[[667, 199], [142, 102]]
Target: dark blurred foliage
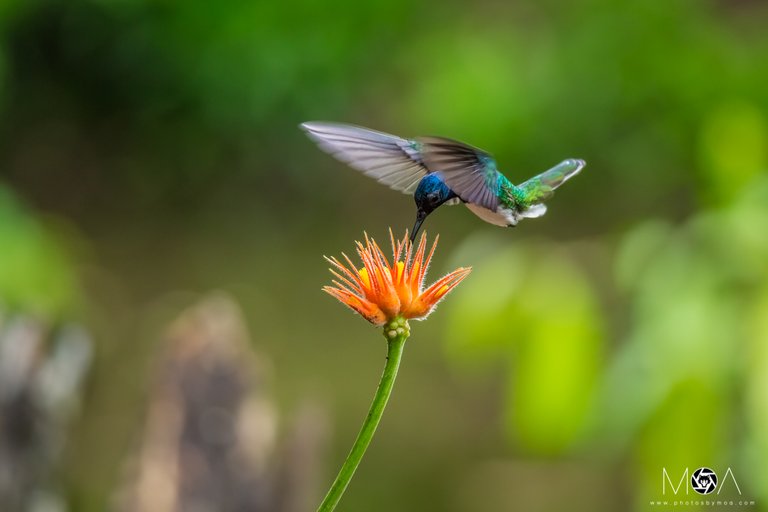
[[150, 152], [208, 442]]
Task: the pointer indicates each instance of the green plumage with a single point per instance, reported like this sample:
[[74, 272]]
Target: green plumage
[[542, 187]]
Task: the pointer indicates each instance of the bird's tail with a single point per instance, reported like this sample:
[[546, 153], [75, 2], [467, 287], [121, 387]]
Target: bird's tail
[[541, 187]]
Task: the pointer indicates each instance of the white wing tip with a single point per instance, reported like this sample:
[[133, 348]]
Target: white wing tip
[[576, 164], [309, 126]]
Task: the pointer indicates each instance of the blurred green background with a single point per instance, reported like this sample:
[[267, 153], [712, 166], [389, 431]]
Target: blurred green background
[[149, 153]]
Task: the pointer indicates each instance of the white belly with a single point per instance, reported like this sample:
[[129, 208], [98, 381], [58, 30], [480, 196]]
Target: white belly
[[507, 216], [501, 217]]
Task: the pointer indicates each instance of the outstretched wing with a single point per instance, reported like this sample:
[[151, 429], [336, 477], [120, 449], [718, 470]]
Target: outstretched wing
[[542, 187], [470, 172], [391, 160]]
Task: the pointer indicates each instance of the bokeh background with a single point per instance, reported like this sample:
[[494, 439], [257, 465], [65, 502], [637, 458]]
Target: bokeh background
[[150, 156]]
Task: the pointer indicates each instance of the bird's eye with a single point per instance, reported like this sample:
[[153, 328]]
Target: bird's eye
[[432, 197]]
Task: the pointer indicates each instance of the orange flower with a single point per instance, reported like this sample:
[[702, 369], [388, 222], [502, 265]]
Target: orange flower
[[381, 291]]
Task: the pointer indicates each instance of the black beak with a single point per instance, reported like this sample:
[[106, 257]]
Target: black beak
[[420, 216]]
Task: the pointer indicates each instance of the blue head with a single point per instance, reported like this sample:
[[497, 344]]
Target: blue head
[[431, 193]]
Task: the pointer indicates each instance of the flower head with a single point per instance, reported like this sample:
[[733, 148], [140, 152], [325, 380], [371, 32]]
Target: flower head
[[381, 291]]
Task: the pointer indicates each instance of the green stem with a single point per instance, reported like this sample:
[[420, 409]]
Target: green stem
[[395, 345]]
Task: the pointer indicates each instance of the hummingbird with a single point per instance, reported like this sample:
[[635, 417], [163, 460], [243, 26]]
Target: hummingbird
[[440, 171]]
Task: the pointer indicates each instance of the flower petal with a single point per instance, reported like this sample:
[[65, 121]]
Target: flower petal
[[425, 303], [363, 307]]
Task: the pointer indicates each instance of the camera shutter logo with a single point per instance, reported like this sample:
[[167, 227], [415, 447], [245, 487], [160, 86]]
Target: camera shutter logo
[[703, 481]]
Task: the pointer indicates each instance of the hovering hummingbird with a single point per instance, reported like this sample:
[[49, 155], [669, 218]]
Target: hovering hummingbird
[[441, 171]]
